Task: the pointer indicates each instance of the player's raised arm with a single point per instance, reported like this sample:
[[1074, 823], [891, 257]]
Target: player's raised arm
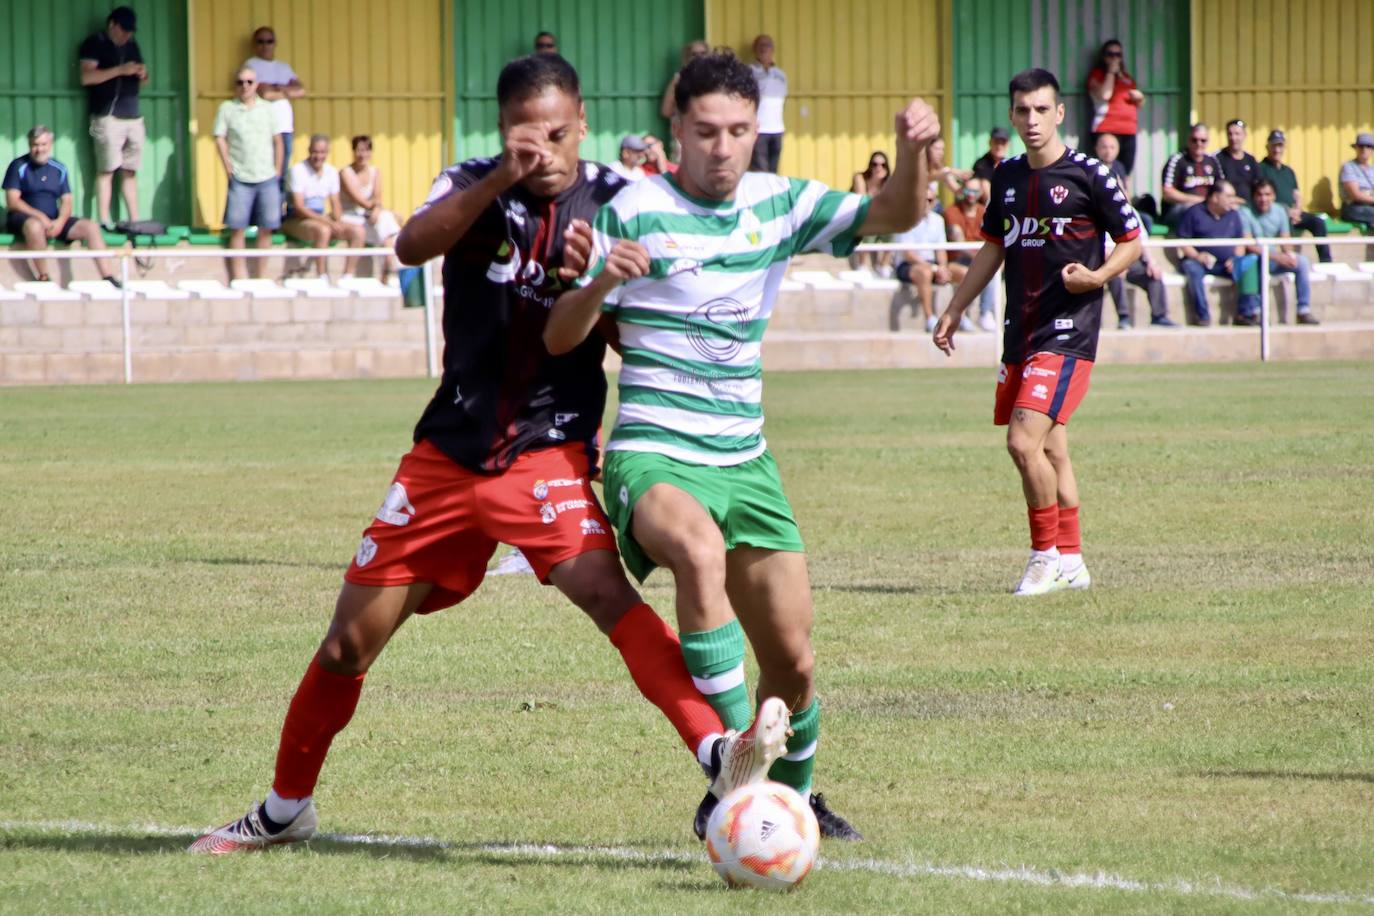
[[902, 202]]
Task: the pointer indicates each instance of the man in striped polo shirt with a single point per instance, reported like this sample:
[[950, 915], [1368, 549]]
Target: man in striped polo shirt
[[687, 267]]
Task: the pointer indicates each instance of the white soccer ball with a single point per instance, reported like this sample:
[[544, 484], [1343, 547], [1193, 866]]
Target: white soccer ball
[[763, 835]]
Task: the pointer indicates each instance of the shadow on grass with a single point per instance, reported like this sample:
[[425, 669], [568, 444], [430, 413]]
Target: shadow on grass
[[1288, 774], [260, 561]]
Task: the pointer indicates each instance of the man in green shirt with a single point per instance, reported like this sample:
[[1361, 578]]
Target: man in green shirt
[[1264, 219], [251, 150], [1289, 196]]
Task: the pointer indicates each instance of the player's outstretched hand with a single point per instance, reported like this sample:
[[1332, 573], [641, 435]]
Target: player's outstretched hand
[[524, 151], [1079, 279], [917, 125], [627, 261], [578, 252], [943, 336]]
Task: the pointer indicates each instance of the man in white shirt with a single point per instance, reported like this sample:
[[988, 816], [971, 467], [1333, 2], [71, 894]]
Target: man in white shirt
[[278, 84], [922, 267], [772, 94], [316, 215], [631, 163]]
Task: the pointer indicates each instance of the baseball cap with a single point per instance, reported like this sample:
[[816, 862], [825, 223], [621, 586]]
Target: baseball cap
[[123, 16], [999, 133], [1276, 136], [1364, 139], [634, 142]]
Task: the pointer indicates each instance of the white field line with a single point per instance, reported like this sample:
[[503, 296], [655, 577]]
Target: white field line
[[1038, 877]]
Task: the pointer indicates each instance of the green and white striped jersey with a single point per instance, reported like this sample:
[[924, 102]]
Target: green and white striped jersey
[[691, 331]]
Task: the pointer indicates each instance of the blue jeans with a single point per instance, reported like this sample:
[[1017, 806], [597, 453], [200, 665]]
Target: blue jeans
[[1302, 277], [1232, 269], [253, 204]]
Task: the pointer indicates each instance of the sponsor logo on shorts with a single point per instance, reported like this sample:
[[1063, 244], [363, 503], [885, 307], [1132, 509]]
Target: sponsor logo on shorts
[[366, 551], [1059, 194], [624, 496], [1040, 371], [1041, 392], [591, 526], [396, 508], [547, 514], [542, 487], [1063, 324]]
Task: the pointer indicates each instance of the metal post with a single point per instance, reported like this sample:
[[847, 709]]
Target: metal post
[[1264, 300], [128, 332], [431, 340]]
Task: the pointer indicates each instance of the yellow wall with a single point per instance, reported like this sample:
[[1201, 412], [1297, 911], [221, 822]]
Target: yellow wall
[[368, 68], [850, 67], [1305, 66]]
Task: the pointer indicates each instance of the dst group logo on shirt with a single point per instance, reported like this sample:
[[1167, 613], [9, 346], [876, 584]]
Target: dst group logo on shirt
[[529, 277], [1032, 232], [717, 330]]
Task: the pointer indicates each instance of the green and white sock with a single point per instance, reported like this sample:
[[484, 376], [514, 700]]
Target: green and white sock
[[715, 659], [795, 767]]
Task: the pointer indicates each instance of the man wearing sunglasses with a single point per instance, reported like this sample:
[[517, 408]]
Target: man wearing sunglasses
[[251, 150], [278, 84], [1187, 176], [545, 43]]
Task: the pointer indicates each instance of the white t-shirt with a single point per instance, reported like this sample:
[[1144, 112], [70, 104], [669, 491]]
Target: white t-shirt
[[314, 187], [634, 174], [772, 94], [929, 230], [278, 73]]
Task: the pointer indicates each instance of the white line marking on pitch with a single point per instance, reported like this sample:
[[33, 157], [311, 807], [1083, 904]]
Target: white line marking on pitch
[[1039, 877]]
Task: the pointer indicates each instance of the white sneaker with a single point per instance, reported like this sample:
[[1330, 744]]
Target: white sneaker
[[930, 323], [965, 325], [513, 564], [987, 321], [1077, 578], [248, 833], [746, 756], [1041, 575]]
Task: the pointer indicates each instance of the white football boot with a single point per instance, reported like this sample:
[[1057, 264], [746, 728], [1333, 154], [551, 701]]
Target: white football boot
[[248, 833], [1041, 575], [746, 756], [1074, 578]]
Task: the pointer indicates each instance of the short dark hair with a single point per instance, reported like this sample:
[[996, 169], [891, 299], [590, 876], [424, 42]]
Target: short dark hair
[[530, 75], [1264, 183], [715, 72], [1215, 187], [545, 35], [360, 140], [1031, 80]]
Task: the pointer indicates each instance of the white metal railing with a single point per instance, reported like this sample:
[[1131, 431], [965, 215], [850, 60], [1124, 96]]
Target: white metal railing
[[1264, 246]]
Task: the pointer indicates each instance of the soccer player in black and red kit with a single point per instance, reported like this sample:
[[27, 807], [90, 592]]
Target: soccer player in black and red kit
[[505, 452], [1049, 210]]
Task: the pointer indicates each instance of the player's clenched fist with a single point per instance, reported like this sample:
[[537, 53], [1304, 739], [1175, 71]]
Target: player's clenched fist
[[627, 261], [917, 125], [1079, 279], [577, 249]]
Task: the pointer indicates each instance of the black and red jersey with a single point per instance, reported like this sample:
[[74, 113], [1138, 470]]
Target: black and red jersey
[[1046, 219], [502, 393]]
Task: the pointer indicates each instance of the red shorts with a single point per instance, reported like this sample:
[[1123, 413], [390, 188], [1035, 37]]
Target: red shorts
[[440, 522], [1048, 383]]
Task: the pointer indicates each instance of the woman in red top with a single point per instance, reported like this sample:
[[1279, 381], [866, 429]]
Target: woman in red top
[[1116, 101]]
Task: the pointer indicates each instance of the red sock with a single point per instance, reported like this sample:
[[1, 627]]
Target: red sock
[[1070, 540], [653, 654], [322, 706], [1044, 527]]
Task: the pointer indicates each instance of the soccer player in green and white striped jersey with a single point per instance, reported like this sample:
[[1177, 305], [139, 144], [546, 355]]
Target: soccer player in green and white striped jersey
[[688, 268]]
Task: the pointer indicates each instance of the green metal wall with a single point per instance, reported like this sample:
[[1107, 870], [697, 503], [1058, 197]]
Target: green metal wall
[[40, 83], [625, 51], [994, 39]]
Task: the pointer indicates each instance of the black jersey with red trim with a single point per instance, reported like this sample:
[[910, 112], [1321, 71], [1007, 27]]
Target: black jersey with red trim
[[1046, 219], [502, 393]]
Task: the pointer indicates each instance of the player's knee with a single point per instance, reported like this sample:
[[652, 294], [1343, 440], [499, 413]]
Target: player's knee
[[701, 560], [343, 652], [603, 597], [1022, 448]]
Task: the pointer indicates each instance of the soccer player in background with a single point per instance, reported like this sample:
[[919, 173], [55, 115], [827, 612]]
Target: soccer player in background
[[505, 451], [1049, 210], [688, 267]]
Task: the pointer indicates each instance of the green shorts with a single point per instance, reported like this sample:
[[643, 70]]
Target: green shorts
[[745, 500]]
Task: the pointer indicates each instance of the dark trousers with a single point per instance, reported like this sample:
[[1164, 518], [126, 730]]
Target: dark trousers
[[1127, 155], [1139, 275], [1317, 226], [767, 152]]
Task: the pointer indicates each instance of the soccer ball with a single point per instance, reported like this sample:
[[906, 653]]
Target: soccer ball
[[763, 835]]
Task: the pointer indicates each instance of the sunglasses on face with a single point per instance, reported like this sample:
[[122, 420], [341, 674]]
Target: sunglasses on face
[[245, 82], [545, 46], [1112, 55], [877, 164], [266, 41]]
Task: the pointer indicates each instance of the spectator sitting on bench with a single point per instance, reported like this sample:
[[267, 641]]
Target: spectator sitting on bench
[[361, 194], [1263, 220], [316, 214], [39, 199], [963, 223], [1285, 183], [1216, 218], [1357, 183], [922, 268], [1187, 176]]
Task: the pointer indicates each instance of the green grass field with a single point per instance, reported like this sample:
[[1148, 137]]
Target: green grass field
[[1196, 733]]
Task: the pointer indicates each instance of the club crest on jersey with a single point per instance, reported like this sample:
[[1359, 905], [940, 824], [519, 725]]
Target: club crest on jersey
[[1059, 194], [751, 227], [366, 551]]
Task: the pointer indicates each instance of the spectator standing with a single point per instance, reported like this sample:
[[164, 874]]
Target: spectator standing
[[922, 267], [630, 166], [1285, 183], [315, 211], [963, 223], [360, 191], [772, 95], [1239, 167], [1357, 183], [1216, 218], [278, 84], [1116, 101], [38, 199], [1264, 220], [1187, 176], [112, 72], [250, 148], [545, 43]]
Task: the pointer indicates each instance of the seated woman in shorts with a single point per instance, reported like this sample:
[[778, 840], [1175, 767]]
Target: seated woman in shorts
[[362, 201]]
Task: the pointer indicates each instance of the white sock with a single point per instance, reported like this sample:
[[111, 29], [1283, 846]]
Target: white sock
[[1069, 562], [1052, 553], [704, 749], [284, 810]]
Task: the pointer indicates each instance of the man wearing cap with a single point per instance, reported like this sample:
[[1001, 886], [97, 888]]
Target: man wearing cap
[[987, 163], [1239, 167], [1357, 183], [631, 164], [1285, 181], [112, 71]]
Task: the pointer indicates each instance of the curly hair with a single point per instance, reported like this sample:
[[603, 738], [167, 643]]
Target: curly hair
[[715, 72]]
